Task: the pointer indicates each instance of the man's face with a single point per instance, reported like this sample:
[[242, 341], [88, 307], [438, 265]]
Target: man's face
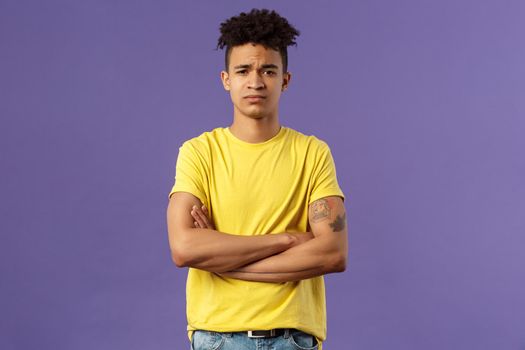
[[255, 71]]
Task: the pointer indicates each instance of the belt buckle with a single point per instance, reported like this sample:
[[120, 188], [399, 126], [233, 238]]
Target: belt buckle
[[251, 335]]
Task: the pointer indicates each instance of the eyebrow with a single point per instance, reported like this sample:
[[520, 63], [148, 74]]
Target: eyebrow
[[249, 66]]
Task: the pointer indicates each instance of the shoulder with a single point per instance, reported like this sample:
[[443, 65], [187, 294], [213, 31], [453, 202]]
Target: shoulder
[[311, 142], [202, 143]]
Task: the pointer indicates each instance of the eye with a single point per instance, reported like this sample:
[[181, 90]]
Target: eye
[[241, 71], [270, 72]]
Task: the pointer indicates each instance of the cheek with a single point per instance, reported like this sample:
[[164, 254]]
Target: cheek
[[235, 95], [276, 93], [234, 88]]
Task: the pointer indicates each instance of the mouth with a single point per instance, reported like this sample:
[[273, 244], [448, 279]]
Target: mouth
[[254, 98]]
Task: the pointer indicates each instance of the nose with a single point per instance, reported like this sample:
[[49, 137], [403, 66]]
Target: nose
[[255, 80]]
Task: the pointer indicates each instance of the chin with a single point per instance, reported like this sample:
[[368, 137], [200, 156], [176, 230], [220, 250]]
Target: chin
[[255, 114]]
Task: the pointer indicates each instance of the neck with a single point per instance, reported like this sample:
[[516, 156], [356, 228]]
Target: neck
[[255, 130]]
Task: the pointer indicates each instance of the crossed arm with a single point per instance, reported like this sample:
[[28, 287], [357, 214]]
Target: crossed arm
[[278, 257]]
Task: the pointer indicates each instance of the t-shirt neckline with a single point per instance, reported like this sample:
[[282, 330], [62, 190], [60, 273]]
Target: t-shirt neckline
[[274, 139]]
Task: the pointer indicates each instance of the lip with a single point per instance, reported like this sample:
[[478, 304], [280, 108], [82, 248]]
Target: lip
[[254, 97]]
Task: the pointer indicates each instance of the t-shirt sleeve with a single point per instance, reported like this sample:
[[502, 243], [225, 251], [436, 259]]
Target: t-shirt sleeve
[[189, 173], [324, 176]]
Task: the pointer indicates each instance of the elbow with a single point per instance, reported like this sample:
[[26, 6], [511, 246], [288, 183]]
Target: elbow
[[184, 247], [178, 259], [340, 263], [179, 254]]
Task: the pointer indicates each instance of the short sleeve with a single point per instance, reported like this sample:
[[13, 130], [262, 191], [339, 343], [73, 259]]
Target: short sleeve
[[324, 176], [190, 173]]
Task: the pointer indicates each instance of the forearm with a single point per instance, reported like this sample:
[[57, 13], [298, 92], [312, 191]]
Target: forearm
[[316, 257], [216, 251], [274, 277]]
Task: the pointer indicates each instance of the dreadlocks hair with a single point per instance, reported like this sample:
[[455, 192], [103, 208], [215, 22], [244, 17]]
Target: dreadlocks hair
[[259, 27]]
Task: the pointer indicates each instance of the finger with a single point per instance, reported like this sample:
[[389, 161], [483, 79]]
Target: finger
[[203, 217], [205, 210], [198, 211], [194, 213], [199, 224], [198, 218], [207, 213]]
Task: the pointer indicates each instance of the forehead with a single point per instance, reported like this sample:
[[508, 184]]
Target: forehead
[[254, 54]]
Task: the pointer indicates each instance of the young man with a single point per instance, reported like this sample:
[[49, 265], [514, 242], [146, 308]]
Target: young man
[[256, 212]]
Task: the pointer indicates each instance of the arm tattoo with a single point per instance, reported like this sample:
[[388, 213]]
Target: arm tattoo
[[339, 223], [320, 210]]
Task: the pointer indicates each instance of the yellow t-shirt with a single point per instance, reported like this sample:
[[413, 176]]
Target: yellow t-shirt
[[256, 189]]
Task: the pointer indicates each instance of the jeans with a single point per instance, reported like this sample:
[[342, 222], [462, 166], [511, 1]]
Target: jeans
[[291, 340]]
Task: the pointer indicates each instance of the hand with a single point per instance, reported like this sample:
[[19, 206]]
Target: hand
[[201, 217]]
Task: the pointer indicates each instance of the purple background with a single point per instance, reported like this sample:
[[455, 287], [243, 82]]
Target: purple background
[[421, 102]]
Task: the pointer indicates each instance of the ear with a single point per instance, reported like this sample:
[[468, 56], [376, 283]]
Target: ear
[[225, 78], [286, 80]]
